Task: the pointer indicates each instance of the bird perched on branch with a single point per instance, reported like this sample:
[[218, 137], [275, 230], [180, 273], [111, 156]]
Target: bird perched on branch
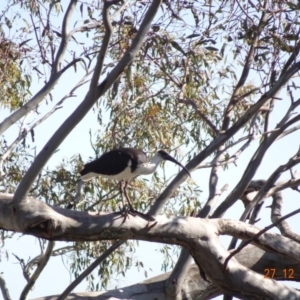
[[124, 164]]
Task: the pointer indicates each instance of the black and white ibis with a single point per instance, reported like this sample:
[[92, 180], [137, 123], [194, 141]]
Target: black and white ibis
[[123, 165]]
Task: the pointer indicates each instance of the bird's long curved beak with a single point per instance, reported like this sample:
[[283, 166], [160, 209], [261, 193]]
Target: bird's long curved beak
[[172, 159]]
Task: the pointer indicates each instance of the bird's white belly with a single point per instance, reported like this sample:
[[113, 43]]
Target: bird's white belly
[[124, 175]]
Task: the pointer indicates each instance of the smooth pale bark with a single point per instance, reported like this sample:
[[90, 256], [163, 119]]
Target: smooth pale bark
[[199, 236], [194, 287]]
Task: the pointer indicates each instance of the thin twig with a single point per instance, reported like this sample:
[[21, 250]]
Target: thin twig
[[202, 116], [43, 261], [245, 72], [90, 269], [4, 289]]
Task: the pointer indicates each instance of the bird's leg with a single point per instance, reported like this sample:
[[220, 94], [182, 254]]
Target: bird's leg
[[127, 198], [122, 193], [125, 211], [132, 210]]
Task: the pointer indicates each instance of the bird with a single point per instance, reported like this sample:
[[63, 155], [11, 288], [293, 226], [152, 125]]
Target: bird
[[123, 165]]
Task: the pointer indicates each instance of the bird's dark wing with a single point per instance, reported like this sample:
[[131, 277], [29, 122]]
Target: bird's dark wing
[[115, 161], [135, 154]]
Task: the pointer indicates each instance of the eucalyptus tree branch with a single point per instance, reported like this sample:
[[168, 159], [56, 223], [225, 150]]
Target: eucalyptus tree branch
[[84, 107], [23, 134], [123, 7], [276, 218], [55, 75], [23, 267], [200, 236], [95, 25], [87, 103], [255, 162], [33, 262], [255, 212], [201, 115], [52, 48], [66, 127], [174, 282], [263, 240], [222, 138], [282, 185], [37, 39], [213, 182], [70, 64], [113, 196], [108, 32], [241, 97], [132, 50], [42, 263], [90, 269], [252, 191], [270, 182], [163, 70], [25, 131], [244, 12], [31, 104], [23, 126], [4, 289], [232, 159], [267, 116], [245, 71], [291, 59], [258, 136], [65, 36], [258, 234]]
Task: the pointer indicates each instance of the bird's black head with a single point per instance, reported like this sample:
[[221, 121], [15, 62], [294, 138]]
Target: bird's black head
[[166, 156]]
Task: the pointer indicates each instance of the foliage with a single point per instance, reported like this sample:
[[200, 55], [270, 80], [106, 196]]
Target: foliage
[[13, 83]]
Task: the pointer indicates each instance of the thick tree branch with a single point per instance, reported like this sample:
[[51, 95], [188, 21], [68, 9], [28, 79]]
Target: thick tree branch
[[199, 236], [222, 138], [265, 190], [84, 107], [258, 234], [250, 194], [177, 277], [65, 36], [194, 286], [108, 32]]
